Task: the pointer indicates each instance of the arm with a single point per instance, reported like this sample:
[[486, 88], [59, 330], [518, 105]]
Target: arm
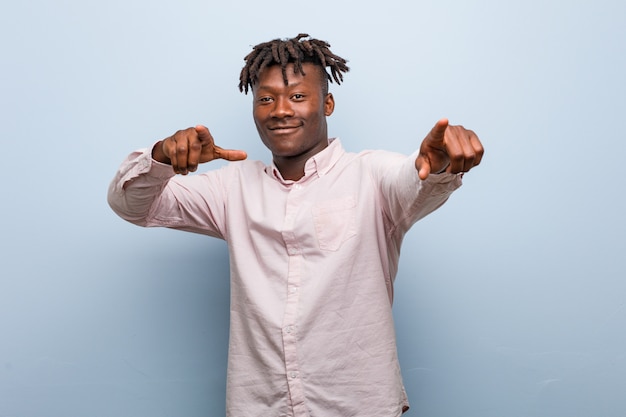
[[406, 198], [144, 178], [422, 183]]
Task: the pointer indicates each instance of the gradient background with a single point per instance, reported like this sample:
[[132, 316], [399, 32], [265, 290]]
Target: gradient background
[[510, 300]]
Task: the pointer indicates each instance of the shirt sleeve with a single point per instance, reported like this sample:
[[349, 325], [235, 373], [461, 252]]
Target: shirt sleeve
[[147, 193], [406, 198]]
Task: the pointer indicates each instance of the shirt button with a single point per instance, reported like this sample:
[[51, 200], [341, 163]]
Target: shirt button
[[289, 329], [293, 290], [293, 375]]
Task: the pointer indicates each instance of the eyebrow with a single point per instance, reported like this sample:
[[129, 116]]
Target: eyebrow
[[269, 87]]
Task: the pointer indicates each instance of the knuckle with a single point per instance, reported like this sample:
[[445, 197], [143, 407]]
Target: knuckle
[[456, 157]]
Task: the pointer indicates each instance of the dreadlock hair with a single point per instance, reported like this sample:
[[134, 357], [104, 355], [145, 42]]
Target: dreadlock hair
[[296, 51]]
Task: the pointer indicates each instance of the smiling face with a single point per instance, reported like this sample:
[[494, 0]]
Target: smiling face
[[291, 119]]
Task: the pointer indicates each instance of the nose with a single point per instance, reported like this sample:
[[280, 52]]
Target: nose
[[282, 108]]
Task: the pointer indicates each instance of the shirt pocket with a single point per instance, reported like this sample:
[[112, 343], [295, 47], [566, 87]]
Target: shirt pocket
[[335, 222]]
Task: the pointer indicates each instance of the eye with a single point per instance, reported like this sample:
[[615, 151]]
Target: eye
[[298, 96], [265, 99]]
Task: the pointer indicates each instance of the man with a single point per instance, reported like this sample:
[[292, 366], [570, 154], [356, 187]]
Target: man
[[314, 238]]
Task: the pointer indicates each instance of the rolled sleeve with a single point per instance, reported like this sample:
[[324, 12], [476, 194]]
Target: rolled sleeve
[[136, 185]]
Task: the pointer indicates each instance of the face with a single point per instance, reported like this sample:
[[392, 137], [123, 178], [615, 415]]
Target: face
[[291, 119]]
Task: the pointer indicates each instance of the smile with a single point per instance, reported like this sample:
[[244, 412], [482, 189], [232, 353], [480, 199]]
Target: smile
[[283, 128]]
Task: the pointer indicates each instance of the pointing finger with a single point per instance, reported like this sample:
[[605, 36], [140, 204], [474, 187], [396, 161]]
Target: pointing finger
[[230, 154], [438, 131]]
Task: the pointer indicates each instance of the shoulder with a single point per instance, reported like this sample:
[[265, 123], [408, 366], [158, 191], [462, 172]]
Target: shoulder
[[379, 159]]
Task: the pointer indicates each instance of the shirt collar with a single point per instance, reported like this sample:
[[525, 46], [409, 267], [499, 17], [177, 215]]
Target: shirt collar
[[319, 164]]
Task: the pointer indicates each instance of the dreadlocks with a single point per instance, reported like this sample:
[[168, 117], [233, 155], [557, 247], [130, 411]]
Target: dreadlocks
[[294, 51]]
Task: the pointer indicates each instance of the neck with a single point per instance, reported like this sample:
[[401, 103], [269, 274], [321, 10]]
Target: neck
[[289, 168], [292, 167]]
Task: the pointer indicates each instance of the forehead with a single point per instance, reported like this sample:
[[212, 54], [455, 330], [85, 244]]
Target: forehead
[[272, 76]]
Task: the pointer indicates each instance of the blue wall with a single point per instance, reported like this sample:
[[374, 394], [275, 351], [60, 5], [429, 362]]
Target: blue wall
[[510, 300]]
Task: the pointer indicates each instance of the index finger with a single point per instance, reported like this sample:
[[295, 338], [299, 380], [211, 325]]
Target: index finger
[[230, 154], [438, 131]]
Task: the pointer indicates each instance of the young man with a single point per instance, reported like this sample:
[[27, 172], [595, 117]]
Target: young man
[[314, 237]]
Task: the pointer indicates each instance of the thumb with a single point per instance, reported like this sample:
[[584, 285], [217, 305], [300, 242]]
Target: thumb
[[423, 168]]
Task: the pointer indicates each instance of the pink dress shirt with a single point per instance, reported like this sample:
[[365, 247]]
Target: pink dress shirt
[[312, 267]]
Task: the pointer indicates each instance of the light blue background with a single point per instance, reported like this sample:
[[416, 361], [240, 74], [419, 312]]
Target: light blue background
[[510, 300]]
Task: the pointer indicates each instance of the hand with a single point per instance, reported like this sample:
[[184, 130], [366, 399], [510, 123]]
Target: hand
[[452, 149], [187, 148]]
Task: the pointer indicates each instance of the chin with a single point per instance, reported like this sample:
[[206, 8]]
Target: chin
[[285, 152], [282, 145]]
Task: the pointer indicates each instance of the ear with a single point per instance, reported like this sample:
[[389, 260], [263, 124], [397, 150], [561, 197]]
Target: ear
[[329, 104]]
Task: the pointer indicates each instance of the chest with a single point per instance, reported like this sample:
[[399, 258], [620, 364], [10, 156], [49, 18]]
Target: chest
[[318, 214]]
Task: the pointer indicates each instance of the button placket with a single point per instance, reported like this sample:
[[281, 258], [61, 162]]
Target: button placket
[[289, 333]]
